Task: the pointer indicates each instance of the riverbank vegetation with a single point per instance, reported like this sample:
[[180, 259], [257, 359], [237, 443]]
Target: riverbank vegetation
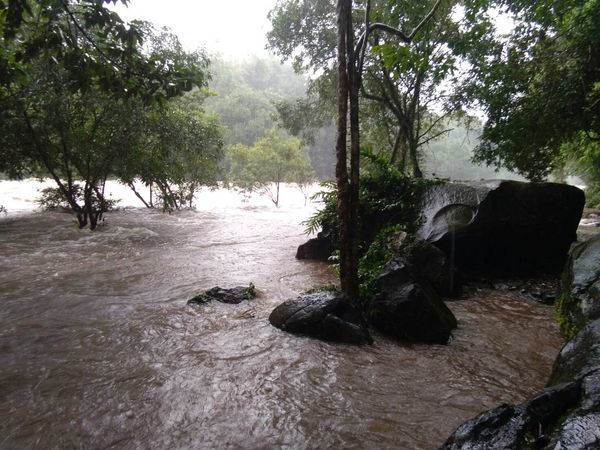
[[86, 96]]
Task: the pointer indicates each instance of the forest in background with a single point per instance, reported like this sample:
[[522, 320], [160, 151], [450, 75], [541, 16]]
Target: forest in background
[[86, 96]]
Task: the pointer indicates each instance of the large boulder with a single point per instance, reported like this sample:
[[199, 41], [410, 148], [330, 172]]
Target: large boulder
[[517, 427], [319, 248], [408, 310], [579, 302], [578, 357], [323, 315], [507, 226]]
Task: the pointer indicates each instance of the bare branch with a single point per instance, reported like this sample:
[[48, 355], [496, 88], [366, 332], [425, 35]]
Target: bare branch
[[434, 123], [363, 44], [431, 138]]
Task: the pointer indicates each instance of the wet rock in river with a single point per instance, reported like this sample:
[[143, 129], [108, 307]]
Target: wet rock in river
[[579, 356], [506, 226], [517, 427], [319, 248], [566, 415], [323, 315], [406, 310], [233, 295]]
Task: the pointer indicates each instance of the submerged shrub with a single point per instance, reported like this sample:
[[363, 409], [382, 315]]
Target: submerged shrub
[[387, 198], [53, 198]]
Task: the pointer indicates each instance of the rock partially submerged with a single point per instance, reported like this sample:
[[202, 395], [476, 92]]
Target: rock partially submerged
[[233, 295], [566, 415], [406, 310], [407, 304], [319, 248], [323, 315], [508, 226], [517, 427]]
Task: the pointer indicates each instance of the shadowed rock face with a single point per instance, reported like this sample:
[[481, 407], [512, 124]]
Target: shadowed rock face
[[502, 225], [323, 315], [410, 311], [422, 262], [579, 356], [581, 284]]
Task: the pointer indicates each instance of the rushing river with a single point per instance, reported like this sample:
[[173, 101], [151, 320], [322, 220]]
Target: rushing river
[[98, 348]]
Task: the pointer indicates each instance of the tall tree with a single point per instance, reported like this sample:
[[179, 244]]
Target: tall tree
[[409, 89], [350, 63]]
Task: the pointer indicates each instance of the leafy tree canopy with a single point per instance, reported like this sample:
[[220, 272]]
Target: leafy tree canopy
[[95, 47], [85, 96], [540, 85], [273, 160], [410, 88]]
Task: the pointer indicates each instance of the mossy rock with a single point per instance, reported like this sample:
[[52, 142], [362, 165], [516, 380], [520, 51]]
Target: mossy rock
[[579, 302]]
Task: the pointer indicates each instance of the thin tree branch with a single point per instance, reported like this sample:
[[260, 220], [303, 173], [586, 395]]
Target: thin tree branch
[[435, 122], [424, 21], [431, 138]]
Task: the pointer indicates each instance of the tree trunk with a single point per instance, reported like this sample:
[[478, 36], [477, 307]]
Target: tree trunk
[[414, 160], [354, 227], [344, 200], [138, 195], [396, 147]]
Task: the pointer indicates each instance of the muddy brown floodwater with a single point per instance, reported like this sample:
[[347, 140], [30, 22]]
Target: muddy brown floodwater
[[99, 350]]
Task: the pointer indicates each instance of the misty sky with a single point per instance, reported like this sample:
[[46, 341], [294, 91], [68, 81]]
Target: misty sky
[[234, 28]]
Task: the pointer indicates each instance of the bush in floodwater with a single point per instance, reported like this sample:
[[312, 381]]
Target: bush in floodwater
[[3, 210], [388, 203], [52, 198], [387, 198]]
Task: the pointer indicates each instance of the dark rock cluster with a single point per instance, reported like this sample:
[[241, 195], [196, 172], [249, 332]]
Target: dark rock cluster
[[408, 302], [494, 227]]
